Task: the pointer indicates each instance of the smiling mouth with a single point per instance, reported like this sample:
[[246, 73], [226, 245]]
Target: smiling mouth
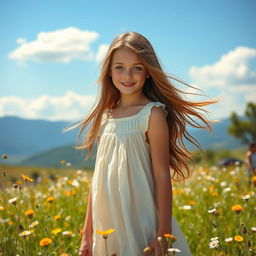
[[127, 84]]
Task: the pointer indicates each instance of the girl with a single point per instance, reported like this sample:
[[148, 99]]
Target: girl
[[140, 120]]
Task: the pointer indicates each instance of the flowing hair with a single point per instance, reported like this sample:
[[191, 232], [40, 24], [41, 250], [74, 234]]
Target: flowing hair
[[157, 87]]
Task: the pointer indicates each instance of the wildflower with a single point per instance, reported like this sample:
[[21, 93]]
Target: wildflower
[[29, 213], [1, 208], [229, 239], [214, 238], [57, 217], [105, 233], [185, 207], [237, 208], [227, 189], [68, 218], [13, 201], [26, 233], [214, 244], [4, 156], [238, 238], [26, 178], [191, 202], [246, 197], [253, 229], [173, 238], [67, 233], [15, 186], [147, 251], [50, 199], [56, 231], [45, 241], [174, 250], [160, 239], [33, 224], [212, 210]]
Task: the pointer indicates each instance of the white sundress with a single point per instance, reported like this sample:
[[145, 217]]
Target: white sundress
[[123, 189]]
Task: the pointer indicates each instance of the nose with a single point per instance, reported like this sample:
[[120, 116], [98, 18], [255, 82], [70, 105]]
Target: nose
[[127, 72]]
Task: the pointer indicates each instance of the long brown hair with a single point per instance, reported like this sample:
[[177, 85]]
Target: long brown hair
[[157, 87]]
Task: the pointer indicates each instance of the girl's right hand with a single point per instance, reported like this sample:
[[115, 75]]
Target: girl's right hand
[[85, 247]]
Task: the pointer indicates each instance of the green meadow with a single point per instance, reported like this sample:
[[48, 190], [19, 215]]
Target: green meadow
[[42, 213]]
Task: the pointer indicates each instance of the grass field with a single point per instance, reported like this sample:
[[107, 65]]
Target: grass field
[[215, 209]]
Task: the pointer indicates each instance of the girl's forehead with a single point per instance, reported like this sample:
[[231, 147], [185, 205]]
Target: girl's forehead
[[125, 55]]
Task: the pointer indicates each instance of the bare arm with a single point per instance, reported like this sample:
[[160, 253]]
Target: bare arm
[[88, 228], [158, 135]]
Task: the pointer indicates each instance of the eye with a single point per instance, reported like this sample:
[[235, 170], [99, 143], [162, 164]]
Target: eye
[[119, 67], [137, 68]]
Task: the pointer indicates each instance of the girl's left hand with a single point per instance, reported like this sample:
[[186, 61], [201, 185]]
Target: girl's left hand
[[156, 248]]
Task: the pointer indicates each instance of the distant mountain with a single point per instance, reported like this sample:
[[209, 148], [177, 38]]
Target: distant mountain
[[54, 157], [22, 137], [43, 143]]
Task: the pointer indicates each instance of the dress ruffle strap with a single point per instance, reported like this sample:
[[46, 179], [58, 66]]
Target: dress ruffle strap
[[146, 112]]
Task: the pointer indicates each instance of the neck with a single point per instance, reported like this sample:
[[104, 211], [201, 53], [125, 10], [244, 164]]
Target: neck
[[128, 100]]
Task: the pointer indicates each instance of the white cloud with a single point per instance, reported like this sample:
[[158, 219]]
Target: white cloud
[[70, 106], [102, 51], [232, 78], [56, 46], [233, 68]]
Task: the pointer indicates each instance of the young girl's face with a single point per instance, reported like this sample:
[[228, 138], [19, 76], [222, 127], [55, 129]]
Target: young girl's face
[[127, 72]]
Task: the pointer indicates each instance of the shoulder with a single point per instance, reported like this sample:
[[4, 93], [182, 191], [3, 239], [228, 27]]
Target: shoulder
[[157, 114], [157, 120]]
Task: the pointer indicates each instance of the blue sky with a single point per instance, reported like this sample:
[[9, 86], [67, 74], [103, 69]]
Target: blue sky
[[210, 44]]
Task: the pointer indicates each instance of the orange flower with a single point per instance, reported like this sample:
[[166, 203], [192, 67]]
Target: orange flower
[[173, 238], [45, 241], [238, 238], [29, 213], [237, 208], [50, 199]]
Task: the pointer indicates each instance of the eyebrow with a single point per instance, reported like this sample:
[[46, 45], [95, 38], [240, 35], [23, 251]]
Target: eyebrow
[[123, 63]]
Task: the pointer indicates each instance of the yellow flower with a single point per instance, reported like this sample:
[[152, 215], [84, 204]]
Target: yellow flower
[[238, 238], [26, 178], [1, 208], [45, 241], [237, 208], [105, 233], [29, 213], [173, 238], [56, 231], [57, 217], [50, 199], [254, 179]]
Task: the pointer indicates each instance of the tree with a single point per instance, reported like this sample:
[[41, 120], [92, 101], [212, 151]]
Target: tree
[[244, 128]]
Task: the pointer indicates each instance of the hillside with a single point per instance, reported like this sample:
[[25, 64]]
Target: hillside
[[43, 143]]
